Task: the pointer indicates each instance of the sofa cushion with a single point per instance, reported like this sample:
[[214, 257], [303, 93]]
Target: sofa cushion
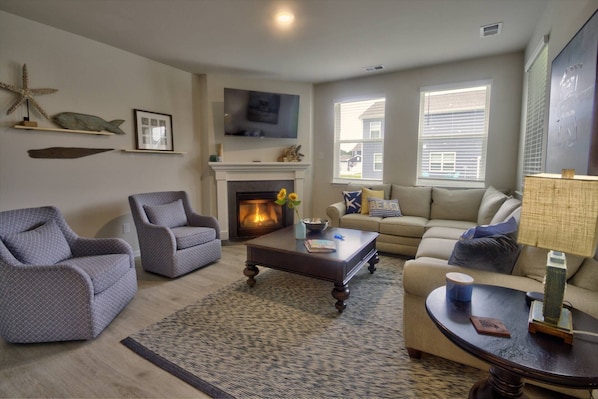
[[188, 236], [532, 263], [44, 245], [414, 201], [433, 247], [366, 194], [384, 208], [443, 232], [456, 204], [491, 203], [405, 226], [505, 211], [587, 275], [168, 215], [103, 270], [455, 224], [352, 201], [496, 253], [360, 222]]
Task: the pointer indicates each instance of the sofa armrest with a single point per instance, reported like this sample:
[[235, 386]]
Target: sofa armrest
[[422, 275], [84, 246], [198, 220], [335, 212]]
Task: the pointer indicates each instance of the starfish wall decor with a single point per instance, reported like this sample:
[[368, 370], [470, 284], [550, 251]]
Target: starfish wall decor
[[26, 94]]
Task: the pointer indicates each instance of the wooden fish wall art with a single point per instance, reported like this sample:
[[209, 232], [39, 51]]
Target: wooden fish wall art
[[65, 152], [75, 121]]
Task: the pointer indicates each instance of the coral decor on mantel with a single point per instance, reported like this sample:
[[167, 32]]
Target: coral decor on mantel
[[26, 95], [291, 154]]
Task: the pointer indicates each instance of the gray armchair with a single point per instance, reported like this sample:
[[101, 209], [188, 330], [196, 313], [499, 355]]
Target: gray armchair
[[173, 239], [55, 285]]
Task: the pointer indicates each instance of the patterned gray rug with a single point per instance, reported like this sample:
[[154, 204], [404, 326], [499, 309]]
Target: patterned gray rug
[[283, 338]]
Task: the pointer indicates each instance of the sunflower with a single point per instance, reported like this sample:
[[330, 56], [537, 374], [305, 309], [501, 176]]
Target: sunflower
[[292, 200]]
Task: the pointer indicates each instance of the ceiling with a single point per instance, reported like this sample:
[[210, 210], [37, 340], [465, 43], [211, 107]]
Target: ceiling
[[329, 40]]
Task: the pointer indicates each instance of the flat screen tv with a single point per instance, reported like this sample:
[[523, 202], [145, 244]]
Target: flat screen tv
[[260, 114]]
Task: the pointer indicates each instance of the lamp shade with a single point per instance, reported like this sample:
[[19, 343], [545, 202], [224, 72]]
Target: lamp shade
[[560, 214]]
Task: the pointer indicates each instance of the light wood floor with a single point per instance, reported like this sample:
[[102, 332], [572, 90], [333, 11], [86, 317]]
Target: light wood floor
[[103, 367]]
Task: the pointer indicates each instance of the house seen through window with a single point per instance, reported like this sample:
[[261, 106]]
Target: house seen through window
[[453, 131], [359, 139]]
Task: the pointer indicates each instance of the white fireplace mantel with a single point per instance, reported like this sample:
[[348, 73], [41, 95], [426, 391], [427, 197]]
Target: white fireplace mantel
[[253, 171]]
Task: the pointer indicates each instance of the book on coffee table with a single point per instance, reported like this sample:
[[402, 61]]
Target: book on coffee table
[[490, 326], [318, 245]]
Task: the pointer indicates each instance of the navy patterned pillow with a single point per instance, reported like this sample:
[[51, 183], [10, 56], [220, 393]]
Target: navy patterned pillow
[[384, 208], [44, 245], [168, 215], [352, 201]]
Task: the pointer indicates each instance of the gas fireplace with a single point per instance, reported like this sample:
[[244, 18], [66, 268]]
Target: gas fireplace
[[257, 214], [252, 211]]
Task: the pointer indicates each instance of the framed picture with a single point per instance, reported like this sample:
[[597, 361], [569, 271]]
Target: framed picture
[[153, 131], [573, 125]]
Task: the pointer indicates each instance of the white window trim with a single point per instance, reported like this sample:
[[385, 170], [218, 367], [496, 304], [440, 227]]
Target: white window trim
[[337, 142], [447, 182]]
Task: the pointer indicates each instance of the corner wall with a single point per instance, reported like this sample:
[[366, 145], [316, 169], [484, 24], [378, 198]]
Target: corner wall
[[96, 79], [401, 90]]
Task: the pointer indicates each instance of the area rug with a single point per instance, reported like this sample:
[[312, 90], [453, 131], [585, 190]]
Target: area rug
[[283, 338]]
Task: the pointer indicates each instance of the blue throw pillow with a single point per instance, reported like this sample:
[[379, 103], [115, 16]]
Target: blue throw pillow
[[509, 227], [384, 208], [352, 201], [497, 253]]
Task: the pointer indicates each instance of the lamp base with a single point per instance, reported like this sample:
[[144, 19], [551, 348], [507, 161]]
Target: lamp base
[[563, 329]]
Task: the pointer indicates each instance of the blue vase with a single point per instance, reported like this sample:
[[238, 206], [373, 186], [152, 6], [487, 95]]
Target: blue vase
[[300, 231]]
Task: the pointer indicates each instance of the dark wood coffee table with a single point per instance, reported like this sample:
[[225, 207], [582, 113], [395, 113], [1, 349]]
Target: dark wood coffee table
[[280, 250], [539, 357]]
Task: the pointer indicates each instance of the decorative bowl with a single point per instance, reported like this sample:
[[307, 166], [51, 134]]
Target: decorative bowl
[[315, 224]]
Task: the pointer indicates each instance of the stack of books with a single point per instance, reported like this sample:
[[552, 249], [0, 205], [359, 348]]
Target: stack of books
[[315, 245]]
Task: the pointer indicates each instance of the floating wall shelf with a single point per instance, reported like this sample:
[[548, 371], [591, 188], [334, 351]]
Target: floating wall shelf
[[50, 129], [155, 152]]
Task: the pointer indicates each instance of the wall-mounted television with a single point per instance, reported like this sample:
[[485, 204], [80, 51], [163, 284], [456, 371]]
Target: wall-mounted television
[[260, 114]]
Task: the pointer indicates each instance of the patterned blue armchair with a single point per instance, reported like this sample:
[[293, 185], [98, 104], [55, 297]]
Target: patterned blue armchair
[[173, 239], [55, 285]]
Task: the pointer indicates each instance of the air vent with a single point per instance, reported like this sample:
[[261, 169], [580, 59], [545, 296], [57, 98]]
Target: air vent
[[491, 30], [373, 68]]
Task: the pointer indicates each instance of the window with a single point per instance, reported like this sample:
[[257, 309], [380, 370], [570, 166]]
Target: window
[[442, 161], [533, 146], [453, 131], [377, 162], [359, 140], [375, 130]]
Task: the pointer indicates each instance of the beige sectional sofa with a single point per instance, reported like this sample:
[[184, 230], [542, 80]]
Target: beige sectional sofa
[[422, 208], [434, 220]]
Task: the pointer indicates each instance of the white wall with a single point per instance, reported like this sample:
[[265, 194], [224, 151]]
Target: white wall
[[251, 149], [401, 90], [97, 79], [560, 21]]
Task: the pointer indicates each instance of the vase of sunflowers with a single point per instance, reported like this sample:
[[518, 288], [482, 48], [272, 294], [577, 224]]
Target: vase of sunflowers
[[292, 201]]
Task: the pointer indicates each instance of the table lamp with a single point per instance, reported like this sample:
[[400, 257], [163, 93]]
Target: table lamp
[[559, 213]]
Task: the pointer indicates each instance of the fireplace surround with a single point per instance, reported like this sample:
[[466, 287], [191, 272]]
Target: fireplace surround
[[226, 172], [251, 208]]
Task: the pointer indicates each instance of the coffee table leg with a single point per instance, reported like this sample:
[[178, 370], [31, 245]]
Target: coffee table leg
[[499, 384], [373, 261], [250, 271], [340, 292]]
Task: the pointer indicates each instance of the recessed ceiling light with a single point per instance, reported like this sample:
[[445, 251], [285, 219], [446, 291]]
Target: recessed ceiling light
[[284, 18]]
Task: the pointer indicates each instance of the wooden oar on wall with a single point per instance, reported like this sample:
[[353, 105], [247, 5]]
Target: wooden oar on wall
[[65, 152]]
